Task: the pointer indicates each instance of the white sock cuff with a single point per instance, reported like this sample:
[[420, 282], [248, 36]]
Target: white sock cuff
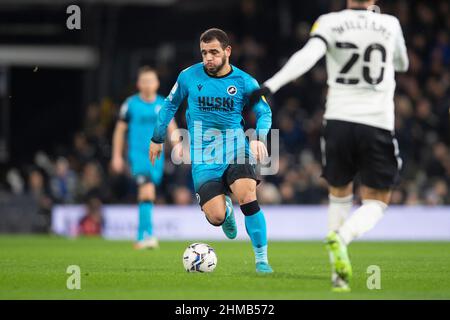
[[378, 203], [335, 199]]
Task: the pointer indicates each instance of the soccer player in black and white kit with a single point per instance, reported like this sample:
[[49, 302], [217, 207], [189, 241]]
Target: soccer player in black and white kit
[[363, 51]]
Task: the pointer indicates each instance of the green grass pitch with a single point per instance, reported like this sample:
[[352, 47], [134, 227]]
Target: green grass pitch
[[35, 268]]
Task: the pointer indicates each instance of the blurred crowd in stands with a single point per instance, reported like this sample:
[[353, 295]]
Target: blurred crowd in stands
[[83, 175]]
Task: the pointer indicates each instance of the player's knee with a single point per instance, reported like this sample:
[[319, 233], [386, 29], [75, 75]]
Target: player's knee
[[215, 216], [244, 190], [375, 194], [342, 191], [215, 210], [246, 197], [146, 197], [146, 192]]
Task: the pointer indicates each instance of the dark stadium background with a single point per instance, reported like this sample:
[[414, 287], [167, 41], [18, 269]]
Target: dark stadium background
[[57, 122]]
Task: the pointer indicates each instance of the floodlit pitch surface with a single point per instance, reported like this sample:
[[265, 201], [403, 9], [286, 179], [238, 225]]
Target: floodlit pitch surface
[[35, 267]]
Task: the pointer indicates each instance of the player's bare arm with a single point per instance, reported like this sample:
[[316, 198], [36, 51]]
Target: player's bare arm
[[175, 139], [117, 161], [301, 62], [156, 148]]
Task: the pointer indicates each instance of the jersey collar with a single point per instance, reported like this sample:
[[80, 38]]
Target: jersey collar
[[146, 101], [358, 9], [219, 77]]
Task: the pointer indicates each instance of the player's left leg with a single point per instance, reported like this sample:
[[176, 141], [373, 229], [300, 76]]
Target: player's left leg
[[146, 197], [245, 191], [379, 169], [364, 219], [339, 169], [379, 164]]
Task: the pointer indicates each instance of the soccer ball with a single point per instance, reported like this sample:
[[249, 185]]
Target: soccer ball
[[199, 257]]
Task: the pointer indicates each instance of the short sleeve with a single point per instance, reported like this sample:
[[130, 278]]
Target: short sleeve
[[250, 85], [322, 30], [124, 113], [401, 61], [179, 91]]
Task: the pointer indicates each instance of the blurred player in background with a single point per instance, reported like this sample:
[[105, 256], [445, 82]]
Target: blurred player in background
[[363, 50], [138, 116], [217, 93]]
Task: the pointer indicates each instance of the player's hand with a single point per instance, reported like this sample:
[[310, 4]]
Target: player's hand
[[155, 151], [257, 94], [117, 164], [259, 150]]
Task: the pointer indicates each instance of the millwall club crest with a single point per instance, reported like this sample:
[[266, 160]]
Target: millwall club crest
[[232, 90]]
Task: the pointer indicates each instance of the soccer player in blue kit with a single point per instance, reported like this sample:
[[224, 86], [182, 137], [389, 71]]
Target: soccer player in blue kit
[[137, 117], [217, 92]]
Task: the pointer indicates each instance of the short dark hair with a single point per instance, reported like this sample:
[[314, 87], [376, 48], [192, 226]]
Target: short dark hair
[[215, 34], [145, 69]]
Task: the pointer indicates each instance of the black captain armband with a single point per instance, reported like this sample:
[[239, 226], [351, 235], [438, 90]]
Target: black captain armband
[[257, 94]]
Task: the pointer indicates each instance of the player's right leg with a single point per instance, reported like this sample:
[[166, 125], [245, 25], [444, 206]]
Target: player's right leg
[[217, 207], [338, 209], [147, 177]]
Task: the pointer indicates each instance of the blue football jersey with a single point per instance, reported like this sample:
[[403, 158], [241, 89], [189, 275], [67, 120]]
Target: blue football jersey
[[141, 117], [215, 106]]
